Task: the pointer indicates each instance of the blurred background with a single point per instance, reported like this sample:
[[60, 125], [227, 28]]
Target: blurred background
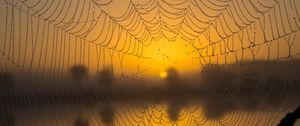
[[148, 62]]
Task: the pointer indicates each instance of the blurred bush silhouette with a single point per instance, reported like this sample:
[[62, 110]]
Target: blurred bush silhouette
[[79, 73], [254, 87], [105, 78]]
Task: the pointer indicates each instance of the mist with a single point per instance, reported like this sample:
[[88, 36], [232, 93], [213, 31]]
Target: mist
[[218, 89]]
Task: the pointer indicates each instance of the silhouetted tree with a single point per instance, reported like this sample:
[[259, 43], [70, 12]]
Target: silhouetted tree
[[6, 81], [106, 78], [173, 78], [176, 98], [79, 72]]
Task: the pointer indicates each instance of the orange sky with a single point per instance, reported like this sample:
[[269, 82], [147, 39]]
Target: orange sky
[[46, 29]]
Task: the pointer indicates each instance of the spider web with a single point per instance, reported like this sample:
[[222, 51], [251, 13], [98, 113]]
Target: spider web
[[44, 38]]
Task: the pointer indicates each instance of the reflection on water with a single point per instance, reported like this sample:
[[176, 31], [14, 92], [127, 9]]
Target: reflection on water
[[179, 108], [212, 110], [226, 96], [107, 114], [128, 114], [81, 122]]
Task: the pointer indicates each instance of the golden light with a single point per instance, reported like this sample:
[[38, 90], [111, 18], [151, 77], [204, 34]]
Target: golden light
[[163, 74], [166, 54]]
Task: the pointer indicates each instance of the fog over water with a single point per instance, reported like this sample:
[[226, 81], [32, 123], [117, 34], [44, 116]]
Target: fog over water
[[149, 62], [216, 92]]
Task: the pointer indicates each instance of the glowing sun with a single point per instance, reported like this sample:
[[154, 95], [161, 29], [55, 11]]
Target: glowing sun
[[163, 74]]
